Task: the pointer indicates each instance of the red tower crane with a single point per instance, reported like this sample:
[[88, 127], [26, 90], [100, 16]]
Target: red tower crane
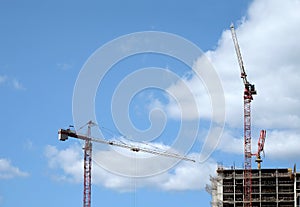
[[64, 134], [249, 91]]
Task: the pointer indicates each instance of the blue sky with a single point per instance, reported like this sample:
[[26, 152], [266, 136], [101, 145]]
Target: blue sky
[[43, 47]]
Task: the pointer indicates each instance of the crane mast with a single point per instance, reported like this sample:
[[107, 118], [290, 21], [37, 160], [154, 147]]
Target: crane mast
[[248, 92], [87, 166], [64, 134]]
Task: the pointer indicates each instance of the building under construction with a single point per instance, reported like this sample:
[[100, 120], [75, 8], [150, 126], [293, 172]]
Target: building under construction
[[270, 188], [249, 187]]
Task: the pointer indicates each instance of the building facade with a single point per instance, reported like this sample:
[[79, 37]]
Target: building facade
[[270, 188]]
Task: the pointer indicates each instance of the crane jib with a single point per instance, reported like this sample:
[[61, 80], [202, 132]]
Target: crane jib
[[63, 135]]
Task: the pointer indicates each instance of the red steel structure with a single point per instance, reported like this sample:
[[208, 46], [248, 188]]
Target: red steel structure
[[260, 148], [249, 91], [64, 134], [87, 172]]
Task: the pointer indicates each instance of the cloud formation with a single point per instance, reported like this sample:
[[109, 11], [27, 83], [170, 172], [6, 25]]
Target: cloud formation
[[269, 38], [13, 82], [17, 85], [67, 165], [8, 171], [270, 45]]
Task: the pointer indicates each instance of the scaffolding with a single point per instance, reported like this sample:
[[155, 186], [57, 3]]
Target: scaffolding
[[270, 188]]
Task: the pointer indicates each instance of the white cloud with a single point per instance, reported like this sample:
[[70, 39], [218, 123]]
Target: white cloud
[[269, 38], [189, 176], [185, 105], [270, 41], [198, 94], [282, 145], [270, 44], [17, 85], [230, 143], [69, 160], [184, 176], [8, 171], [13, 82]]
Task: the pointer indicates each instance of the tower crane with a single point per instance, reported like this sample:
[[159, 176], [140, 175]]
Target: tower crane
[[64, 134], [249, 91]]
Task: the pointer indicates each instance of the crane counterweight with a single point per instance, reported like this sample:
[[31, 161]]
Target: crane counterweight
[[62, 136]]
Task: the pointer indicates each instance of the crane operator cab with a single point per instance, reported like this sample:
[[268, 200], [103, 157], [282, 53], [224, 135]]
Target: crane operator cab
[[249, 91]]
